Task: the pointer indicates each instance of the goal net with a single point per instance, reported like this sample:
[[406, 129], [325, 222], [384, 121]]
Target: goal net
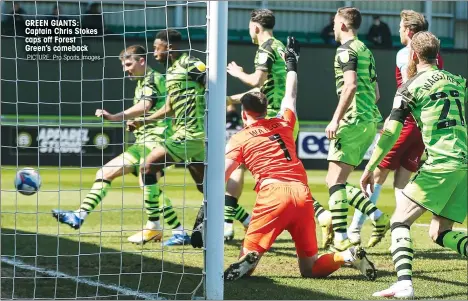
[[60, 63]]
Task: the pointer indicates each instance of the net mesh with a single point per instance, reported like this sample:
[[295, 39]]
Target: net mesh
[[49, 94]]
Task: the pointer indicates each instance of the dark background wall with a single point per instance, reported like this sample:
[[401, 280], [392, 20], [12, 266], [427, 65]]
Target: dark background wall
[[79, 88]]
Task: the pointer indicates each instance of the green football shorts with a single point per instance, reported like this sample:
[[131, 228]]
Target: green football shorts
[[352, 143], [136, 154], [186, 149], [443, 192]]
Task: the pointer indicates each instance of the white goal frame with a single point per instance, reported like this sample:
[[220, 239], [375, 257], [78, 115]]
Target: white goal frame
[[215, 144]]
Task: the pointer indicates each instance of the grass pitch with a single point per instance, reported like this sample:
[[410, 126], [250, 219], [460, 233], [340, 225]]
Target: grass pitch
[[103, 265]]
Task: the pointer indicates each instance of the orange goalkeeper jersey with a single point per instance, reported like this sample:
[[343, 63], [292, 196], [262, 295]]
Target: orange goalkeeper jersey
[[268, 150]]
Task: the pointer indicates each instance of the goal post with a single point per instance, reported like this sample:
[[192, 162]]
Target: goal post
[[215, 143]]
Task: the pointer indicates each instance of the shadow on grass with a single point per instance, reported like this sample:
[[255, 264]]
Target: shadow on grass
[[263, 288], [142, 271], [436, 254], [174, 273]]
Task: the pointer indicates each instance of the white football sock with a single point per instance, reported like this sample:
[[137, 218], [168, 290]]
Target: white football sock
[[178, 230], [246, 221], [82, 214], [153, 225]]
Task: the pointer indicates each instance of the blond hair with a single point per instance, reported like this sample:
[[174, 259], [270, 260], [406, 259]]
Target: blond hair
[[413, 20]]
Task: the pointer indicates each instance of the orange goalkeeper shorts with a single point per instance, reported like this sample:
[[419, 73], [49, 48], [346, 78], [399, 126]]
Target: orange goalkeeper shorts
[[279, 207]]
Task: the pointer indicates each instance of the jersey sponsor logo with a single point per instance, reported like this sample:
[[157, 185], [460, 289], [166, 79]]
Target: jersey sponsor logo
[[200, 66], [315, 145], [344, 56], [147, 91], [62, 140]]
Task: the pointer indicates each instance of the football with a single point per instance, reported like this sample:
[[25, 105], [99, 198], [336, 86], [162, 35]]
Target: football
[[27, 181]]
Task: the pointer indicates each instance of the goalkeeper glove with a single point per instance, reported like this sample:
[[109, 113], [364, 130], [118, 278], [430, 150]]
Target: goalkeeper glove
[[292, 54]]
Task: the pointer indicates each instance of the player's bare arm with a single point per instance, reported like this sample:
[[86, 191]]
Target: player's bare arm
[[137, 110], [255, 79], [291, 58], [162, 113], [346, 97], [230, 166], [389, 136]]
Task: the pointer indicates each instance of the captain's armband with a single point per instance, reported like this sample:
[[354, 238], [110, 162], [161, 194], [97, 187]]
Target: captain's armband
[[399, 114]]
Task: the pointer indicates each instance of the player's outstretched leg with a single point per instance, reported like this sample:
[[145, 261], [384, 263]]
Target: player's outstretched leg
[[232, 209], [104, 176], [380, 220], [338, 205], [310, 267], [354, 230], [402, 253], [152, 230], [197, 233], [324, 265], [406, 212], [76, 218], [324, 219], [242, 267], [179, 236], [152, 166]]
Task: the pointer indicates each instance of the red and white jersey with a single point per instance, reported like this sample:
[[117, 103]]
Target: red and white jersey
[[402, 59]]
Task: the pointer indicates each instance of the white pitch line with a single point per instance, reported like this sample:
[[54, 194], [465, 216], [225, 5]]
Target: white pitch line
[[427, 225], [120, 289]]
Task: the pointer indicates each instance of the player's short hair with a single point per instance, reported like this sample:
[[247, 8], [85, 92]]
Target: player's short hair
[[426, 45], [170, 36], [254, 103], [413, 20], [351, 15], [135, 51], [264, 17]]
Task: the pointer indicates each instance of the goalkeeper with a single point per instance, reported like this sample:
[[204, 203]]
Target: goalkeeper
[[270, 78], [149, 96], [284, 202]]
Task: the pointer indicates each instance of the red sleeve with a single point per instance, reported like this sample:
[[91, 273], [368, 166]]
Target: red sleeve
[[290, 117], [440, 61], [234, 151]]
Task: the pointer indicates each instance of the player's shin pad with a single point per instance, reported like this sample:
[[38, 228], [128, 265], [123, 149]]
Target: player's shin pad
[[197, 232]]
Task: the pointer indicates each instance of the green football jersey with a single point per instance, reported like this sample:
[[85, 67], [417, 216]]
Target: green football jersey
[[437, 101], [186, 92], [269, 58], [153, 87], [354, 55]]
